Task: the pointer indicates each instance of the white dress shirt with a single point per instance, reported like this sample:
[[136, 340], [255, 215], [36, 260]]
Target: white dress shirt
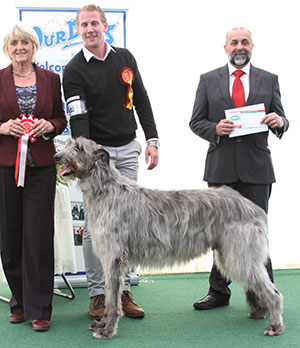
[[88, 54]]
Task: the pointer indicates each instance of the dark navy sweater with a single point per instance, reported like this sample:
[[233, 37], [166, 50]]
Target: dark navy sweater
[[98, 84]]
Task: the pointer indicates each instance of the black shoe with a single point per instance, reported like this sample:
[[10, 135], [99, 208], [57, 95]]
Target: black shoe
[[211, 301]]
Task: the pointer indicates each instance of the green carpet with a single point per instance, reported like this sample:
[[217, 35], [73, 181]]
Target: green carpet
[[170, 319]]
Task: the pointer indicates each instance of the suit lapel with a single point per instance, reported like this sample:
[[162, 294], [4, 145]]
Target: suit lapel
[[9, 91], [255, 83], [224, 86]]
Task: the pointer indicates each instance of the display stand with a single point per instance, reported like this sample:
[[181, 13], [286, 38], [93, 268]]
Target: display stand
[[69, 286]]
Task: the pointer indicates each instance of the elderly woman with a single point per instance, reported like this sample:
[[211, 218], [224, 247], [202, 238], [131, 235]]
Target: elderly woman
[[31, 114]]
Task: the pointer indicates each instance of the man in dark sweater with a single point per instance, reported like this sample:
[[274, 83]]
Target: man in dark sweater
[[102, 85]]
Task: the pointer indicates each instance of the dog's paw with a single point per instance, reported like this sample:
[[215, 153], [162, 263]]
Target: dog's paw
[[100, 336], [274, 330]]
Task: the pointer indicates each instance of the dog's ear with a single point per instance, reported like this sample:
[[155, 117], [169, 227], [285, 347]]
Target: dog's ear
[[104, 155]]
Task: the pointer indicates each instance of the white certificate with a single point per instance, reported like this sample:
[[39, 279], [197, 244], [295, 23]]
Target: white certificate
[[247, 120]]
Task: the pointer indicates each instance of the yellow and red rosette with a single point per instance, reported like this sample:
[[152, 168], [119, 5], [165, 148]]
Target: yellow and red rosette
[[127, 77], [20, 167]]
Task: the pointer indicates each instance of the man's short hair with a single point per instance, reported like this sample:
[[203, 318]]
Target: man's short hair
[[92, 8]]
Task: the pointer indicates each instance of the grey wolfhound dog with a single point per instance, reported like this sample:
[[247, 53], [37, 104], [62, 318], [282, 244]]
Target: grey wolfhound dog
[[133, 225]]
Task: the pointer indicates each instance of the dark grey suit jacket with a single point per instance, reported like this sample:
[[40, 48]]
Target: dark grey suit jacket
[[246, 158]]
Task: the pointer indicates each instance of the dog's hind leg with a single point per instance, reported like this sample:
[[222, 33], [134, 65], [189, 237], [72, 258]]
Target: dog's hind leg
[[245, 263], [114, 278], [267, 299], [274, 301]]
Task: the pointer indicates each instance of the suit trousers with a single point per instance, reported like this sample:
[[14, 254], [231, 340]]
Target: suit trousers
[[259, 194], [26, 239], [126, 160]]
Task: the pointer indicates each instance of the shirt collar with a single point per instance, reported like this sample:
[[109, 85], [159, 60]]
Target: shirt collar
[[232, 69], [88, 55]]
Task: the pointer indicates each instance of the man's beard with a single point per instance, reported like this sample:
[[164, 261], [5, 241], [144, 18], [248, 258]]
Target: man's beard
[[240, 61]]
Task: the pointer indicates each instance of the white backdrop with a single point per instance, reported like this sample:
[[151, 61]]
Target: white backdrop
[[174, 42]]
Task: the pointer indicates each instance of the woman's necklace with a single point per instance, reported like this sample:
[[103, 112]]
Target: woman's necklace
[[26, 76]]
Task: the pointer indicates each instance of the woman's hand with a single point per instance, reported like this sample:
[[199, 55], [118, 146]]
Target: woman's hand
[[41, 127], [12, 127]]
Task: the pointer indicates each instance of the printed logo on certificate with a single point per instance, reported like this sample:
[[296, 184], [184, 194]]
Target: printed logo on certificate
[[247, 120]]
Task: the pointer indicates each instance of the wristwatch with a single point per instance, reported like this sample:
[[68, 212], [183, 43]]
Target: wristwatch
[[154, 143]]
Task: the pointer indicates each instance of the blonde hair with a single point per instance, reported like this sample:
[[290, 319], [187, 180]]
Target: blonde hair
[[20, 31], [92, 8]]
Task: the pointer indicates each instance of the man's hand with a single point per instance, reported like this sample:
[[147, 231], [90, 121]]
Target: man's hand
[[273, 120], [224, 127], [152, 152]]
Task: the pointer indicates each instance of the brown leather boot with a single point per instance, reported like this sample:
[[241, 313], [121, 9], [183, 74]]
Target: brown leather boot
[[130, 309], [97, 307]]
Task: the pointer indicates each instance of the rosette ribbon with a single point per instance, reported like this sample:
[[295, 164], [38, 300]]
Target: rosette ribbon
[[20, 167], [127, 77]]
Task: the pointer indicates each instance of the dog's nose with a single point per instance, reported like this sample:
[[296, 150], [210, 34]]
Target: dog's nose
[[56, 157]]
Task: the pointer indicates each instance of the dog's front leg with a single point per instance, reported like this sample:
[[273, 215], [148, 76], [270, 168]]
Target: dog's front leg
[[114, 278]]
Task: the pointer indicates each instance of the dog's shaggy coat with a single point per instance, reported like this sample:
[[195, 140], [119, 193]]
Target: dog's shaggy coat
[[132, 225]]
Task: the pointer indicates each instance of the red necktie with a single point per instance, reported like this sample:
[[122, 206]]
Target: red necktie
[[238, 95]]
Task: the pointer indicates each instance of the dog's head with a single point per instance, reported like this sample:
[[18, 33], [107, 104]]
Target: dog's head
[[78, 158]]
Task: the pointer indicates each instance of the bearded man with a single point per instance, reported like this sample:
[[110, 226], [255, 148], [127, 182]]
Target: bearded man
[[241, 162]]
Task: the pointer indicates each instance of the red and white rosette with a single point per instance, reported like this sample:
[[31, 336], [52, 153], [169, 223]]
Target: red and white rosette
[[126, 76], [20, 168]]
